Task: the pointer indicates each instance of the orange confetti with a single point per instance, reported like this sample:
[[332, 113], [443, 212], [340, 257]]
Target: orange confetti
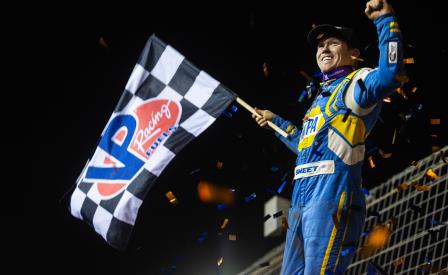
[[232, 237], [422, 187], [384, 154], [435, 121], [401, 92], [431, 174], [103, 43], [414, 89], [224, 223], [387, 99], [219, 165], [378, 237], [403, 187], [265, 70], [402, 78], [372, 164], [398, 262], [409, 60], [210, 193], [171, 198]]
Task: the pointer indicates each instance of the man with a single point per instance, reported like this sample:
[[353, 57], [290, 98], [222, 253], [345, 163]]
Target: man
[[328, 208]]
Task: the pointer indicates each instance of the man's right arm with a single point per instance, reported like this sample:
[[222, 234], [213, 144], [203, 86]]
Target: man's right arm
[[293, 138]]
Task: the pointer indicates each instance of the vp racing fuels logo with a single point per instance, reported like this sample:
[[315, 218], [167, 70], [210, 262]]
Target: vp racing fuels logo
[[128, 142]]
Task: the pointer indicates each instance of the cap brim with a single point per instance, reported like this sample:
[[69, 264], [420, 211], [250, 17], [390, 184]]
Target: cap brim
[[326, 30]]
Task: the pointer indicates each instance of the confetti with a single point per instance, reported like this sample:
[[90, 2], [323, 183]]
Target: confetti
[[414, 89], [274, 168], [221, 206], [435, 121], [232, 237], [347, 251], [387, 99], [195, 171], [234, 108], [266, 217], [305, 75], [398, 262], [409, 60], [365, 191], [431, 174], [278, 214], [265, 70], [285, 225], [402, 78], [378, 237], [302, 95], [219, 165], [210, 193], [103, 43], [384, 155], [403, 187], [173, 200], [394, 136], [372, 164], [220, 261], [202, 236], [401, 92], [422, 187], [224, 223], [250, 197], [280, 189]]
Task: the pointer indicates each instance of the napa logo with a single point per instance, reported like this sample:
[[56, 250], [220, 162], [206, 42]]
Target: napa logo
[[128, 142], [311, 126]]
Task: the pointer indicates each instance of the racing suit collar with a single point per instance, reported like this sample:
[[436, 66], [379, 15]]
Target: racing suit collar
[[337, 73]]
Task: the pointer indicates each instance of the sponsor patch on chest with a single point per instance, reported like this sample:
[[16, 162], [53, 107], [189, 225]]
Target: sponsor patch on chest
[[310, 126]]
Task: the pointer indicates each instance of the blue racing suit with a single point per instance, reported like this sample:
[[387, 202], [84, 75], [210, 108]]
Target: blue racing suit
[[328, 208]]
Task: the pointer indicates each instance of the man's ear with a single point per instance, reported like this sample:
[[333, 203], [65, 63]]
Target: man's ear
[[355, 52]]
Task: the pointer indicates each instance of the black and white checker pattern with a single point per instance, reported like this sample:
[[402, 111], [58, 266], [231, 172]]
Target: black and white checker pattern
[[161, 72]]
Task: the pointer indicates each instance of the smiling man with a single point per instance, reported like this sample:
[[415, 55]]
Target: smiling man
[[328, 209]]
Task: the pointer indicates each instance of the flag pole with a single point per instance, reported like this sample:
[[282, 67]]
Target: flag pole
[[252, 110]]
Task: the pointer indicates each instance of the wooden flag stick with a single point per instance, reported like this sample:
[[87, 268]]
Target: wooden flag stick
[[252, 110]]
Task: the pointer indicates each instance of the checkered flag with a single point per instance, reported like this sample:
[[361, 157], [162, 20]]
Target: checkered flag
[[167, 102]]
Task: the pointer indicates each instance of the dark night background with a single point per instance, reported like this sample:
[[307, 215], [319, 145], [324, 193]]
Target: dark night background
[[73, 84]]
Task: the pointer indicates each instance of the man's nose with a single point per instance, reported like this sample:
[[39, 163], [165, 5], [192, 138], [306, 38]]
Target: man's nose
[[325, 48]]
